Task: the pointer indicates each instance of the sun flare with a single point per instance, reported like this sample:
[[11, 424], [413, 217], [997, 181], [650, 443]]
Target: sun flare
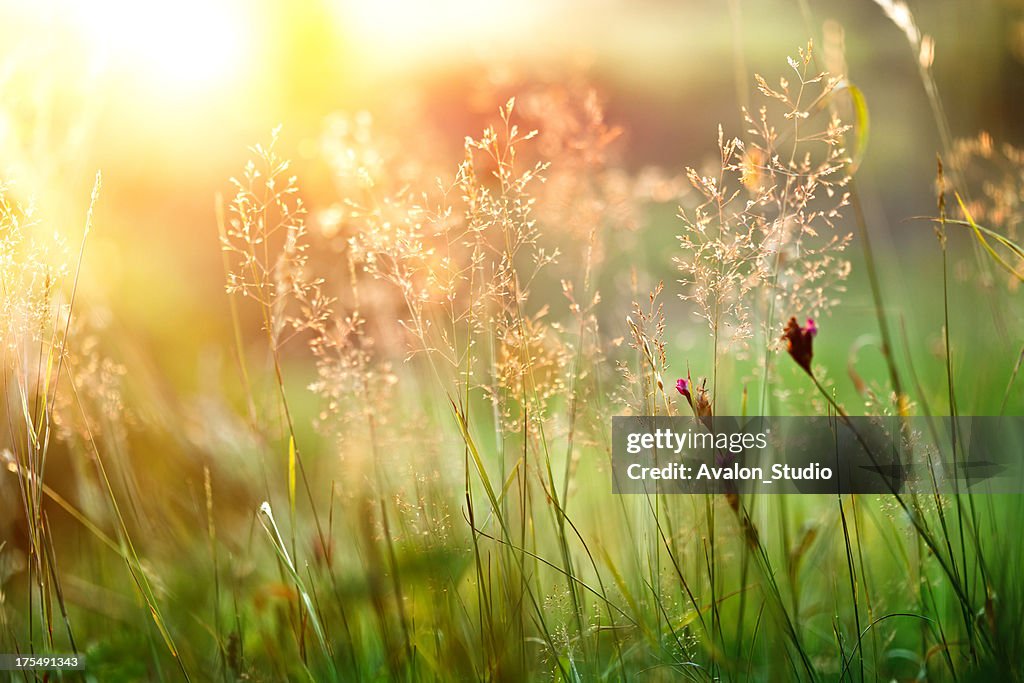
[[181, 45]]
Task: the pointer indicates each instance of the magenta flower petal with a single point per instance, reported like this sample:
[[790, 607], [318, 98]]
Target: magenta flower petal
[[800, 342]]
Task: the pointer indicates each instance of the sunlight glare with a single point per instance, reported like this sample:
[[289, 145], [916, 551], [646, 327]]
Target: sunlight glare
[[182, 44], [408, 26]]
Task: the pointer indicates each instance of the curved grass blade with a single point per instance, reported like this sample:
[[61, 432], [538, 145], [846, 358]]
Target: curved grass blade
[[980, 233], [862, 123]]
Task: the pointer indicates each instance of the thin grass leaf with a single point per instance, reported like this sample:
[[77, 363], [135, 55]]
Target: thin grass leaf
[[862, 123], [980, 234], [291, 476], [266, 515]]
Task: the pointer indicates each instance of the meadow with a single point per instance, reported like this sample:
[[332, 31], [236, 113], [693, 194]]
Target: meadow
[[394, 460]]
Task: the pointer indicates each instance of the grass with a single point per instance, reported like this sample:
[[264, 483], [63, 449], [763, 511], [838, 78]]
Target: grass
[[406, 475]]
